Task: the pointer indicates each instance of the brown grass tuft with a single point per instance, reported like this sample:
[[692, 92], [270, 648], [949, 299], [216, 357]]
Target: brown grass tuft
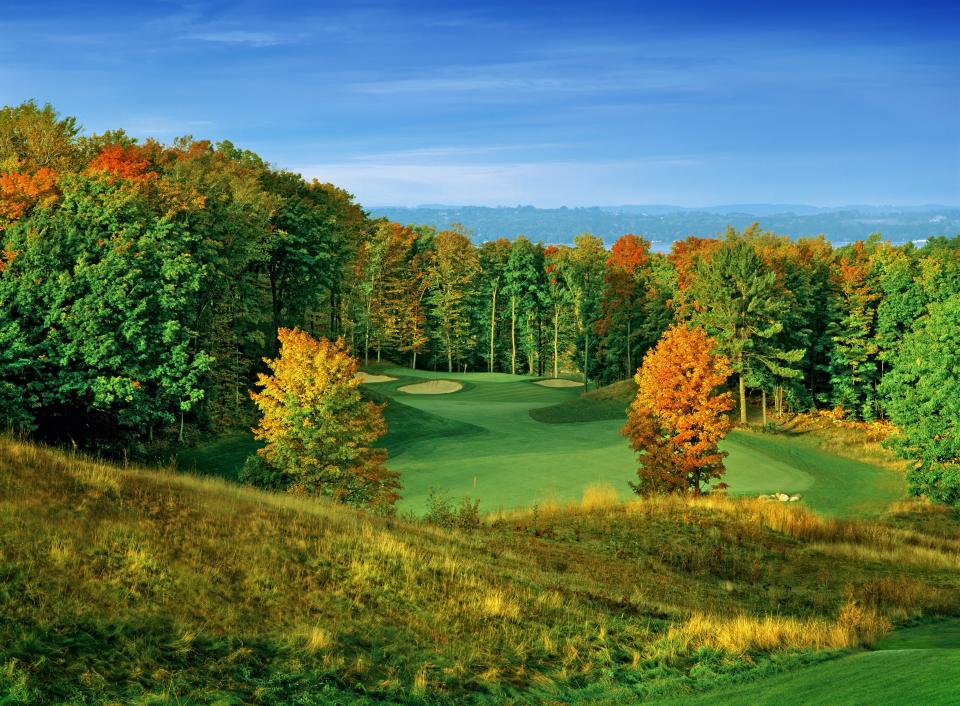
[[599, 496]]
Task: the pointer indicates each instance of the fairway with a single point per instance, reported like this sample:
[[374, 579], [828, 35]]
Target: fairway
[[482, 442]]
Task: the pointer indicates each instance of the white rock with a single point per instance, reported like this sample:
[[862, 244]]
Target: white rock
[[782, 497]]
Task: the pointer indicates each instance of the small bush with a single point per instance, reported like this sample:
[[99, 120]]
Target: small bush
[[441, 511], [259, 473]]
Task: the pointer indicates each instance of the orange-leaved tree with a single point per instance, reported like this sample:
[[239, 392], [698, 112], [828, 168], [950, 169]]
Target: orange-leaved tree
[[318, 429], [678, 415]]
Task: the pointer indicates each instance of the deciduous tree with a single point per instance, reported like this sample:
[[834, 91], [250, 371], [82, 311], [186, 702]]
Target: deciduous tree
[[452, 270], [679, 416], [922, 394], [318, 429]]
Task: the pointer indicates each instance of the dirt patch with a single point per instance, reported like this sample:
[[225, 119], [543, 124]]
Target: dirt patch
[[432, 387], [559, 382], [370, 377]]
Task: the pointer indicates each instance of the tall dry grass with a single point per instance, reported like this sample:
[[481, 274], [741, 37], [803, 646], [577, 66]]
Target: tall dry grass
[[854, 626]]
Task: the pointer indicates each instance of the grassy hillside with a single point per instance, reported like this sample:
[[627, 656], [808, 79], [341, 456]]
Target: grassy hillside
[[134, 586]]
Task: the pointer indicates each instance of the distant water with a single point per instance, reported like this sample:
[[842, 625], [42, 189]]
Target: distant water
[[663, 226]]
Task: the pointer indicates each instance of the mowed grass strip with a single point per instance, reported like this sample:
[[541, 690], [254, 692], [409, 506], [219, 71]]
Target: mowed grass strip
[[904, 677]]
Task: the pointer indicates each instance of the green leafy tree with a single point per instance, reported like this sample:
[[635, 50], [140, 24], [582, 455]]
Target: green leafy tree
[[854, 361], [488, 303], [559, 301], [522, 286], [736, 300], [902, 300], [95, 310], [586, 266], [452, 271], [217, 196], [922, 393]]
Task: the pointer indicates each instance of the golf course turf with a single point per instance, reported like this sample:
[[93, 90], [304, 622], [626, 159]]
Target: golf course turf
[[484, 442], [491, 440]]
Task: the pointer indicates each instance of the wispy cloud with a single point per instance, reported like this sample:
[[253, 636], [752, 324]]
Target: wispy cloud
[[158, 126], [508, 183], [445, 153], [237, 36]]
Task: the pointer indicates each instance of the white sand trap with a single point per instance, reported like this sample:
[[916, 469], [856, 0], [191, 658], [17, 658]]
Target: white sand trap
[[559, 382], [432, 387], [370, 377]]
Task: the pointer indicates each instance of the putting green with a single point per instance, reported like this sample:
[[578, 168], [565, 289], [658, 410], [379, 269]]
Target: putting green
[[483, 442]]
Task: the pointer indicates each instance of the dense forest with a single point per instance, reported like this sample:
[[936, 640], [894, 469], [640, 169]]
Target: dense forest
[[142, 284]]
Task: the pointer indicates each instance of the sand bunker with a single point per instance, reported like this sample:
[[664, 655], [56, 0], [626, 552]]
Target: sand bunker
[[432, 387], [370, 377], [559, 382]]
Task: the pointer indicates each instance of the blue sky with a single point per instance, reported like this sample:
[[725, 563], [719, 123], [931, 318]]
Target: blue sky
[[561, 103]]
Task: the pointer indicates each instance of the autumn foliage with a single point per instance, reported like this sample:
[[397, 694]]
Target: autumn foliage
[[19, 191], [678, 417], [126, 162], [318, 429]]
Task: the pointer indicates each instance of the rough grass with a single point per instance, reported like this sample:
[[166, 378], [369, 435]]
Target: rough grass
[[134, 586]]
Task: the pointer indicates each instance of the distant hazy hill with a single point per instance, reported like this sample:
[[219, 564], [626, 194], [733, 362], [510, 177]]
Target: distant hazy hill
[[663, 223]]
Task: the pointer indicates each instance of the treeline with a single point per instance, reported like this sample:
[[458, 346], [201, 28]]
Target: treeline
[[142, 284]]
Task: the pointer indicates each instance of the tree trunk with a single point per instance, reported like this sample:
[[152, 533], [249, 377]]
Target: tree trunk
[[586, 359], [180, 438], [764, 397], [449, 356], [539, 343], [531, 355], [413, 365], [493, 325], [366, 338], [556, 342], [743, 401], [275, 302], [630, 370], [513, 335]]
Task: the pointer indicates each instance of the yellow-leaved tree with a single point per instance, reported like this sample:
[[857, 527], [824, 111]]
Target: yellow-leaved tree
[[318, 429], [679, 415]]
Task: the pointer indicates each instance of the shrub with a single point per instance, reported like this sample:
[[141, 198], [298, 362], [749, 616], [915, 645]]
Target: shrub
[[257, 472], [442, 512]]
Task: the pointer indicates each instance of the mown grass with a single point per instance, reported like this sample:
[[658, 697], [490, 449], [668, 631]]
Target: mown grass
[[605, 403], [897, 678], [485, 442], [136, 586]]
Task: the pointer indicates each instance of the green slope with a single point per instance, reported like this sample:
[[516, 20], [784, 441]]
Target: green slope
[[511, 459], [919, 665], [488, 441]]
